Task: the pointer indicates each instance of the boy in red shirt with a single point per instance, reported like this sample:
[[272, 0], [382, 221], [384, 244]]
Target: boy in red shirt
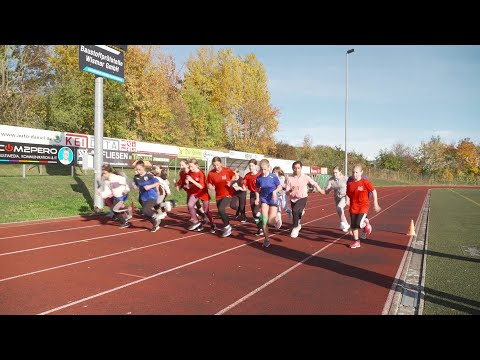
[[357, 191]]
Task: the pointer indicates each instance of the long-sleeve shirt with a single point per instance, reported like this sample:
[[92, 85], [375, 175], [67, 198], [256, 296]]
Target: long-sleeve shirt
[[298, 185]]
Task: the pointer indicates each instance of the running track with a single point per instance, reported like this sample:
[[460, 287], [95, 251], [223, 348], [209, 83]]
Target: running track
[[87, 265]]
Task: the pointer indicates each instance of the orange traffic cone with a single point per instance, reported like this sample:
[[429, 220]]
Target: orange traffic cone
[[411, 230]]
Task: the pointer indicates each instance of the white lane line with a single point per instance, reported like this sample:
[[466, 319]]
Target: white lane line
[[138, 276], [199, 260], [70, 243], [279, 276], [99, 257], [48, 232], [466, 198]]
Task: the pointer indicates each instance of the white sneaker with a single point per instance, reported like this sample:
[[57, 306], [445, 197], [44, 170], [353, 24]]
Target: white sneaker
[[295, 231], [168, 206], [227, 230], [344, 226], [278, 222]]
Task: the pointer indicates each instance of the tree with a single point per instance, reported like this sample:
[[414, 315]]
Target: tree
[[306, 152], [24, 81], [284, 151], [389, 160], [237, 88], [205, 121], [468, 157], [431, 156]]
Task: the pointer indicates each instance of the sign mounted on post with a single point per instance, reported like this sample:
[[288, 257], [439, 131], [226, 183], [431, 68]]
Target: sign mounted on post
[[102, 60]]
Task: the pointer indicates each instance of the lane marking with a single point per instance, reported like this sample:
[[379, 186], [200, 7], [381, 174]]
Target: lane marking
[[141, 277], [465, 197], [188, 264], [249, 295]]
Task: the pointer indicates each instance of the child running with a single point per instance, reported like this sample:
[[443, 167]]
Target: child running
[[117, 189], [146, 183], [338, 183], [239, 198], [357, 191], [282, 196], [297, 189], [221, 179], [163, 189], [182, 183], [197, 191], [267, 187], [249, 182]]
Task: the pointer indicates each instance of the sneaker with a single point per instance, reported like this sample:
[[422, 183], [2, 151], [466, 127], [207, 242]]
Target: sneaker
[[213, 228], [266, 243], [344, 226], [227, 230], [124, 226], [356, 244], [363, 236], [368, 227], [200, 228], [278, 222], [259, 232], [295, 231], [195, 225], [154, 228], [257, 215], [168, 206], [157, 220], [243, 219]]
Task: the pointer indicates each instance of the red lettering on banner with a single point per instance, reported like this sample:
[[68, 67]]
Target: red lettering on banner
[[76, 140]]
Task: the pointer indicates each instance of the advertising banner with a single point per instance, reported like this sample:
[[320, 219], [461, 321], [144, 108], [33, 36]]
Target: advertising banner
[[12, 152], [30, 135]]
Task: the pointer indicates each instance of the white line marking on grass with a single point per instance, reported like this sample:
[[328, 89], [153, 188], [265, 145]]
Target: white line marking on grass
[[464, 197]]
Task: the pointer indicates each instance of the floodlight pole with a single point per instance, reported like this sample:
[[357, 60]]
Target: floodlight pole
[[346, 111]]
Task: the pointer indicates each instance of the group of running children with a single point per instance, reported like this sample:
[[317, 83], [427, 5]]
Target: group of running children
[[270, 194]]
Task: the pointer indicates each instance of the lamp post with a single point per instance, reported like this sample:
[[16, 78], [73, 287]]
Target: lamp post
[[346, 109]]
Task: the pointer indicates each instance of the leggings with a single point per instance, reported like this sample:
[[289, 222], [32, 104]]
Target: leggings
[[297, 209], [238, 202], [221, 206]]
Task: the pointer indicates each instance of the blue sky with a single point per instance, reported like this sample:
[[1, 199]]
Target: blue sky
[[396, 93]]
